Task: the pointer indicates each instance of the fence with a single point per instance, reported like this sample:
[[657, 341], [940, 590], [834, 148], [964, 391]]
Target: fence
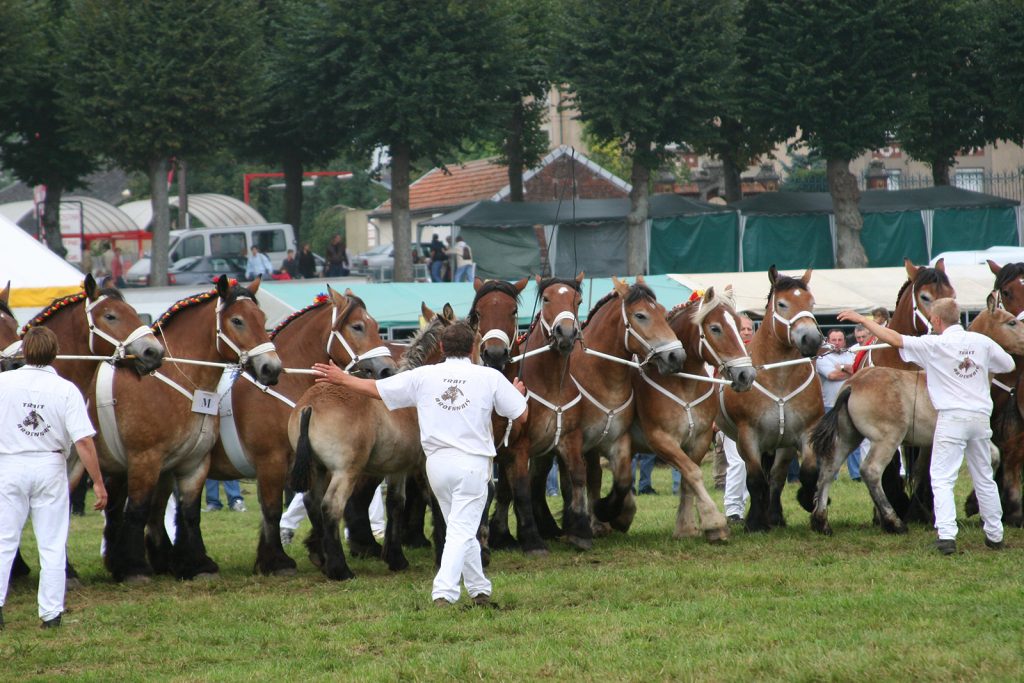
[[1009, 185]]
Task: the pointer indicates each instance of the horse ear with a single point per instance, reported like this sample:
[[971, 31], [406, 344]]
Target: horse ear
[[521, 285], [222, 286], [709, 294], [449, 313], [348, 292], [5, 295], [428, 313], [940, 265], [773, 274], [91, 288], [994, 267], [477, 284], [806, 277], [255, 285], [579, 278], [910, 267], [990, 301], [621, 288], [337, 300]]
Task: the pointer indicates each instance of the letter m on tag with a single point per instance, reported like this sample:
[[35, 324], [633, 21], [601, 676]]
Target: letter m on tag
[[205, 402]]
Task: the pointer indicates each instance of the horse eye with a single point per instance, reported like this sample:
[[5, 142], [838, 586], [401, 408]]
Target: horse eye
[[358, 327], [109, 316], [717, 329], [783, 305], [1012, 323], [544, 299], [640, 316], [1006, 293], [925, 297], [237, 322]]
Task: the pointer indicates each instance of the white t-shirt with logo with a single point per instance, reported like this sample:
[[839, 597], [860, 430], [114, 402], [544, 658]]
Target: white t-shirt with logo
[[454, 401], [40, 412], [957, 364]]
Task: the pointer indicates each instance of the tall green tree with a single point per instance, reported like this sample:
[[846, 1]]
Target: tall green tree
[[1003, 57], [34, 140], [835, 70], [946, 103], [154, 80], [416, 78], [647, 74]]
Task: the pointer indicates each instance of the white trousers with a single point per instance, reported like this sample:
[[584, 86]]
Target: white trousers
[[36, 486], [960, 433], [296, 512], [459, 483], [736, 495]]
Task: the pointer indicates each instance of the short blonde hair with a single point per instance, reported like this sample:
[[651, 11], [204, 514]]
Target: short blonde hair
[[947, 310], [40, 346]]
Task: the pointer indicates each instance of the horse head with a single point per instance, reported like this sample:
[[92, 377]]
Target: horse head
[[359, 348], [645, 330], [241, 331], [1001, 326], [116, 330], [790, 312], [559, 304], [10, 342], [718, 338], [925, 286], [495, 314], [425, 348], [1009, 287]]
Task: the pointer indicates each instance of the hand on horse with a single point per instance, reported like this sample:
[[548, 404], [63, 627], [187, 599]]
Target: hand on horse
[[518, 384], [100, 492], [329, 372]]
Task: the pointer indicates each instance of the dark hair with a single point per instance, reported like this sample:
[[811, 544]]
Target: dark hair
[[40, 346], [458, 340], [835, 329]]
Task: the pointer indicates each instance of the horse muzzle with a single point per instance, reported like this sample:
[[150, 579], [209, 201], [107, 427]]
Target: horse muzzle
[[742, 378], [266, 368], [808, 341], [564, 336], [148, 354], [494, 356], [375, 368], [669, 361]]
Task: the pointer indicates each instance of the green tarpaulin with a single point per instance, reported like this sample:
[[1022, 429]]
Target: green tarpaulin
[[703, 243], [509, 253], [889, 237], [787, 242], [973, 229], [599, 250]]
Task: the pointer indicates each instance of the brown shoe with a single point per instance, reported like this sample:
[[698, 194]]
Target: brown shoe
[[482, 599], [441, 602]]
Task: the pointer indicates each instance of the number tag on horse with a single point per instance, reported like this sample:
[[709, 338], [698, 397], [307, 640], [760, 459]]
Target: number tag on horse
[[205, 402]]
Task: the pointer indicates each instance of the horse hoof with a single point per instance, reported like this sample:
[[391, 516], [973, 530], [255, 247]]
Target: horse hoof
[[689, 532], [821, 525], [717, 536], [891, 526], [602, 529], [580, 543], [537, 552], [72, 583], [287, 571], [342, 574], [137, 580], [316, 560]]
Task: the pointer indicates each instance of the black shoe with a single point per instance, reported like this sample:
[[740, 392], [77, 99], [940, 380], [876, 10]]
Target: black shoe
[[51, 623], [648, 491], [734, 519], [994, 545], [946, 546]]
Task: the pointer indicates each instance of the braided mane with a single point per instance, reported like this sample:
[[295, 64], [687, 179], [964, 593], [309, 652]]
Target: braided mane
[[693, 306], [62, 303], [423, 344], [930, 276], [521, 339], [317, 303], [235, 293], [636, 292]]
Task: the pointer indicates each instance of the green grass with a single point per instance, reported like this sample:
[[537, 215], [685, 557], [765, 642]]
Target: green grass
[[789, 605]]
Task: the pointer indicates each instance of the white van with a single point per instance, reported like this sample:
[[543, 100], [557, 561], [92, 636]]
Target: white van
[[273, 239]]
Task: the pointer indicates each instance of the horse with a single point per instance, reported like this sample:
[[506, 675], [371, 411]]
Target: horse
[[542, 363], [10, 341], [495, 310], [675, 415], [135, 447], [890, 407], [253, 438], [779, 416], [339, 437], [627, 322]]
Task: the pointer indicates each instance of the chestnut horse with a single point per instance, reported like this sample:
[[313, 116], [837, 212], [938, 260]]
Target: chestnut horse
[[889, 407], [10, 342], [338, 438], [253, 438], [167, 422], [778, 417], [675, 414]]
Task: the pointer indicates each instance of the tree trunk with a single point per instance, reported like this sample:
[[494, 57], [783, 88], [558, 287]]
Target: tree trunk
[[845, 195], [293, 195], [940, 172], [160, 227], [184, 221], [514, 153], [51, 219], [732, 185], [636, 221], [401, 225]]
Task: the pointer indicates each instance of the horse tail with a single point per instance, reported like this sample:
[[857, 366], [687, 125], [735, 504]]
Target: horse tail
[[303, 454], [825, 433]]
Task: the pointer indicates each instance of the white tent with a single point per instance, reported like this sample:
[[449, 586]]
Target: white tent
[[860, 289], [37, 275]]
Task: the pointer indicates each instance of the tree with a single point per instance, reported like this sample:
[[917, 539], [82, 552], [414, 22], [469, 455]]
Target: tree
[[646, 74], [156, 80], [835, 70], [413, 77], [34, 141], [1003, 58], [945, 105]]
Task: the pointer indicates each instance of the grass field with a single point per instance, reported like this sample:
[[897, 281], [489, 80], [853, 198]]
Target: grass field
[[789, 605]]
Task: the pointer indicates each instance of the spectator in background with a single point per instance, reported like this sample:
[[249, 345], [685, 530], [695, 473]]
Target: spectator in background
[[438, 255], [290, 265], [881, 315], [464, 266], [233, 491], [307, 263], [257, 265], [337, 258], [834, 369], [645, 463], [117, 268]]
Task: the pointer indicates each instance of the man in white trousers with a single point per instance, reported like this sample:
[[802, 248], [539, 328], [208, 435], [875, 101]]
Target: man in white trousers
[[736, 495], [454, 401], [957, 366], [41, 416]]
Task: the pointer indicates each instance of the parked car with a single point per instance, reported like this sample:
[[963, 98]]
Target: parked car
[[196, 270], [382, 256]]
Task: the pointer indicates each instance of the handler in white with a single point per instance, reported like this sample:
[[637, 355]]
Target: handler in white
[[454, 401], [957, 364], [41, 415]]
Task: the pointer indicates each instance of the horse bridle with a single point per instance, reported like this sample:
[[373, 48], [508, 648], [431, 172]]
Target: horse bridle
[[918, 315], [652, 350], [999, 303], [788, 322], [13, 350], [354, 358], [243, 356], [120, 347], [742, 362]]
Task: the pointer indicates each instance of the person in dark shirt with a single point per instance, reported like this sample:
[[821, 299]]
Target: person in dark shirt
[[337, 258], [438, 256], [290, 265], [307, 264]]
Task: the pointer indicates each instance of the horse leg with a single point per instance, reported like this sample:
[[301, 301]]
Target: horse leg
[[1011, 465], [312, 500], [619, 507], [871, 470], [546, 524], [893, 487], [361, 541], [20, 568], [190, 558], [338, 491], [575, 513], [499, 535], [692, 493], [158, 544], [414, 516], [392, 551], [113, 518], [530, 540], [757, 482], [920, 508], [483, 532], [271, 475], [779, 471], [128, 552]]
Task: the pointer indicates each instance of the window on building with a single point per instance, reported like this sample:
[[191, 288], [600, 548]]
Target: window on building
[[970, 179], [269, 240], [232, 243]]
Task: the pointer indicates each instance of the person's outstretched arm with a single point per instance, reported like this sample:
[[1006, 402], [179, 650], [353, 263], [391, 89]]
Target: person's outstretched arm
[[884, 334], [324, 372]]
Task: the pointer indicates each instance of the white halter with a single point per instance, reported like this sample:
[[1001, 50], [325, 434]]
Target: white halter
[[354, 358], [999, 303], [12, 351], [564, 315], [742, 362], [243, 356], [917, 311], [651, 349], [788, 322], [120, 347]]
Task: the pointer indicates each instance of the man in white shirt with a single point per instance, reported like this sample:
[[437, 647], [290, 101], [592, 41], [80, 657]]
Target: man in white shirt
[[41, 416], [464, 266], [834, 368], [957, 364], [258, 264], [454, 401]]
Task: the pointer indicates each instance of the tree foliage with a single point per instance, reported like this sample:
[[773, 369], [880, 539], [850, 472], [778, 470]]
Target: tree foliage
[[1003, 57]]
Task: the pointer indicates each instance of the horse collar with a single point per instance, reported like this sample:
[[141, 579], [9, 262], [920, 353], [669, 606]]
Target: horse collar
[[120, 346], [354, 358]]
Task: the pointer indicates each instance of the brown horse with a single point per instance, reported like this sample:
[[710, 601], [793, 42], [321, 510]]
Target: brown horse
[[10, 342], [253, 438], [627, 323], [167, 422], [777, 418], [338, 438], [495, 312], [890, 407], [542, 359], [675, 414]]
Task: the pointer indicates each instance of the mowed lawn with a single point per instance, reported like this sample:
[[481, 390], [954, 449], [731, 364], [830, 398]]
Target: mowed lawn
[[789, 605]]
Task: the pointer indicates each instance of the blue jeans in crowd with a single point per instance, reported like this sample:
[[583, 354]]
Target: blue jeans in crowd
[[465, 273], [645, 463], [552, 485], [677, 479], [435, 270], [232, 489]]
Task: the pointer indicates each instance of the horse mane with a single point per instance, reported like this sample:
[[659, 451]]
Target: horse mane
[[636, 292], [62, 303], [423, 344], [697, 313], [784, 283], [235, 293], [319, 301], [929, 276], [494, 286], [1011, 271]]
